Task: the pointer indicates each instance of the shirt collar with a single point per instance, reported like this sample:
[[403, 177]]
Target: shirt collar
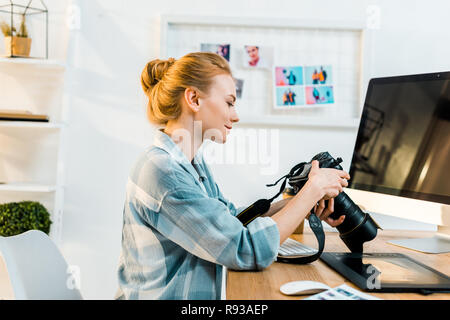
[[165, 142]]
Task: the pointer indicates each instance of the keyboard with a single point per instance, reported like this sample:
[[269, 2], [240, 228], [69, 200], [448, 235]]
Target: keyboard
[[291, 247]]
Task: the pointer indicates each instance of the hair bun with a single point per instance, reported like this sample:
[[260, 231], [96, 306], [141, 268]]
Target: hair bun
[[164, 82], [154, 71]]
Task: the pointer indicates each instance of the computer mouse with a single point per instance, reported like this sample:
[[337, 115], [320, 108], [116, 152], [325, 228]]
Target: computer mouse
[[303, 288]]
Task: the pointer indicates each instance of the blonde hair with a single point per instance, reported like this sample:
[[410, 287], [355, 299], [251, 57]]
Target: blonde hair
[[164, 82]]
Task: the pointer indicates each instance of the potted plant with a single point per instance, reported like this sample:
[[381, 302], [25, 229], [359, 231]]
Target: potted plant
[[18, 217], [16, 43]]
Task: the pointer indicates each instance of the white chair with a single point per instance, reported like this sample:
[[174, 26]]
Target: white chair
[[36, 268]]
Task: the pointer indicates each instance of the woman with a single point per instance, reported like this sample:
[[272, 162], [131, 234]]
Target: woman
[[179, 230], [253, 55]]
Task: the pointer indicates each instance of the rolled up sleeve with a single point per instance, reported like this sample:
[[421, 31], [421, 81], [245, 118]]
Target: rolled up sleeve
[[204, 226], [231, 207]]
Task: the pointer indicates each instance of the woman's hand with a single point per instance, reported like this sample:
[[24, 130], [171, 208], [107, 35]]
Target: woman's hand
[[322, 184], [328, 181], [323, 211]]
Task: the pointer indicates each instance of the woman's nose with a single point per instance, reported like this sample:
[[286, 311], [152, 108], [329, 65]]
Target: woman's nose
[[234, 116]]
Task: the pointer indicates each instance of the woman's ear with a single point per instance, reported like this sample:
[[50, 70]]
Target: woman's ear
[[191, 96]]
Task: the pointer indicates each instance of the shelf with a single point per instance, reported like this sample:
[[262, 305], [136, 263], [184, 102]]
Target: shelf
[[295, 121], [27, 187], [34, 62], [30, 124], [35, 75]]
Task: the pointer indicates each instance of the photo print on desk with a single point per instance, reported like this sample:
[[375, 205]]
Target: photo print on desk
[[258, 57], [221, 49]]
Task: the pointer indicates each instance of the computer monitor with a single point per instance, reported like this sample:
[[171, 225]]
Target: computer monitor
[[401, 160]]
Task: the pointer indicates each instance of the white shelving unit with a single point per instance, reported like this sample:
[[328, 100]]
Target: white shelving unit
[[27, 187], [35, 62], [30, 124], [32, 153]]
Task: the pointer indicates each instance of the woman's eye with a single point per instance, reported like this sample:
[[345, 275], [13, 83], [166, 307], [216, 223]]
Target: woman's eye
[[230, 104]]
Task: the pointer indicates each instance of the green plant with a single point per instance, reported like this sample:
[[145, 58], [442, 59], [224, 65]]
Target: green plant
[[23, 32], [18, 217], [8, 31]]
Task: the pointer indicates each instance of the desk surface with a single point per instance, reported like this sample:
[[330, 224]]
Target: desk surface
[[265, 284]]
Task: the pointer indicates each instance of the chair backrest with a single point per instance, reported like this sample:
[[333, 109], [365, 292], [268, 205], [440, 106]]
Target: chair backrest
[[36, 268]]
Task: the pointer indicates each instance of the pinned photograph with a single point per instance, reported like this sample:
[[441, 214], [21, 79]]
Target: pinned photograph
[[288, 76], [290, 96], [319, 95], [318, 75], [258, 56], [221, 49], [239, 86], [303, 86]]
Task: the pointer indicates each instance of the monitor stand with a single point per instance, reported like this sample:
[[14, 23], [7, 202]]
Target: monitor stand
[[439, 243]]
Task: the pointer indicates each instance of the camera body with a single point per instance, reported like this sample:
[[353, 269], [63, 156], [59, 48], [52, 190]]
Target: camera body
[[358, 226]]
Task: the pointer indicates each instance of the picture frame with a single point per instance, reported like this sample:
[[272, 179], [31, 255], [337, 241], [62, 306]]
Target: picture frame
[[257, 56], [222, 49]]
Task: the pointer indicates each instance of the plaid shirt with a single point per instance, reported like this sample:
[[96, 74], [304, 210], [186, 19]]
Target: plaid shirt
[[179, 232]]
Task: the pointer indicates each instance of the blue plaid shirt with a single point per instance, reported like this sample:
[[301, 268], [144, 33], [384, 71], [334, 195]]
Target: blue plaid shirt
[[179, 232]]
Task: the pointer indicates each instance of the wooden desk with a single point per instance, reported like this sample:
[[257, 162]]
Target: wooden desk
[[265, 284]]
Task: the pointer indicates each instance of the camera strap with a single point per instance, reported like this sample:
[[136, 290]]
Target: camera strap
[[292, 174], [261, 206], [317, 228]]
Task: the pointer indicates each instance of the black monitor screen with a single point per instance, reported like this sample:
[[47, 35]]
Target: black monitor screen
[[403, 142]]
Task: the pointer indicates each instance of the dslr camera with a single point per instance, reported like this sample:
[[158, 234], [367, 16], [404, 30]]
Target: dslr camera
[[358, 226]]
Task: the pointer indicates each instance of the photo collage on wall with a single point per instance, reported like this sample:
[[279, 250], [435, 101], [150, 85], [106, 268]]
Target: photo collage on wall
[[294, 86], [253, 57], [303, 86]]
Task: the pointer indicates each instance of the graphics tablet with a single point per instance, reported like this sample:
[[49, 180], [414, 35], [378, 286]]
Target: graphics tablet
[[387, 272]]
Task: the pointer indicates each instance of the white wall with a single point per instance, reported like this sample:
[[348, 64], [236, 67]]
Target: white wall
[[108, 128]]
